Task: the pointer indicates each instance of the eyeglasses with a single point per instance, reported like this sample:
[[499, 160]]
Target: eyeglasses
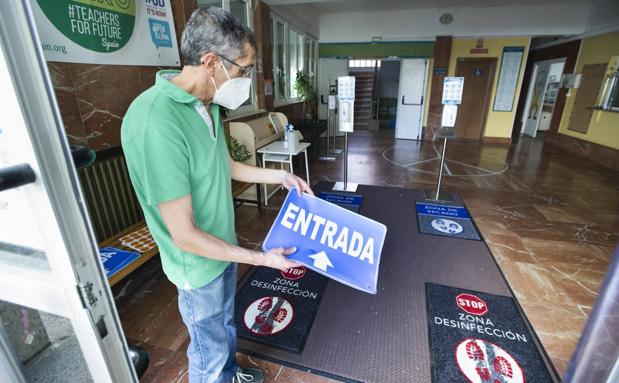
[[245, 70]]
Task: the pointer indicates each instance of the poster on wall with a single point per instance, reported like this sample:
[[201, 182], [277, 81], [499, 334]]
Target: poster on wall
[[508, 79], [120, 32]]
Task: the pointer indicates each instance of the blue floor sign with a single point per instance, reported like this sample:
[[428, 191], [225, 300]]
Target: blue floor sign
[[115, 259], [449, 221], [350, 202], [330, 240]]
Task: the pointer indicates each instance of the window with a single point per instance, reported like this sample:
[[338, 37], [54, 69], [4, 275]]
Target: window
[[364, 63], [211, 3], [293, 51], [611, 96], [295, 61], [314, 62], [279, 60], [292, 61], [239, 9]]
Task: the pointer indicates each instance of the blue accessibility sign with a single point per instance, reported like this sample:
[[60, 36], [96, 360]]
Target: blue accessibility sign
[[330, 240], [115, 259]]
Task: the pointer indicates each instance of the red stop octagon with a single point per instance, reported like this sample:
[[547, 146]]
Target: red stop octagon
[[471, 304]]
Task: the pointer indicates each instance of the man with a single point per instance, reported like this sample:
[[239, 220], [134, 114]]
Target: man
[[179, 164]]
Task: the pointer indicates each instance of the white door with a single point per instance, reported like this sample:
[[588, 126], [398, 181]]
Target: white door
[[56, 308], [328, 71], [409, 116], [544, 72]]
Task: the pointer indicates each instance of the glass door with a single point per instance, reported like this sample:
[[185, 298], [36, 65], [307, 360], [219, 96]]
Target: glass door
[[58, 321]]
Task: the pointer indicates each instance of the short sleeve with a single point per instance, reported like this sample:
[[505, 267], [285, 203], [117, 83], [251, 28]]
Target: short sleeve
[[166, 165]]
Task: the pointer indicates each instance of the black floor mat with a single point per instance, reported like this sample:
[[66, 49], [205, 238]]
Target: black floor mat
[[383, 338], [278, 308], [480, 337]]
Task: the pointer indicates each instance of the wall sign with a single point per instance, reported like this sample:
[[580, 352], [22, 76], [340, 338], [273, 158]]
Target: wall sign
[[452, 90], [125, 32], [508, 79], [479, 47]]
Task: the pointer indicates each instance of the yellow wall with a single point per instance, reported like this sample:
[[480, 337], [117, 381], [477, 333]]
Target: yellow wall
[[604, 126], [498, 124]]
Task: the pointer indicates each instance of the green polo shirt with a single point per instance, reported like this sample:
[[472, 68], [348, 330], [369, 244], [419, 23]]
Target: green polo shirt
[[173, 150]]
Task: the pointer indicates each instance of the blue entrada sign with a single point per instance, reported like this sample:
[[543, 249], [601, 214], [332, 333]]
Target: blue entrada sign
[[115, 259], [330, 240]]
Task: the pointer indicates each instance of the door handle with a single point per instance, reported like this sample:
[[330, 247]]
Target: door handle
[[15, 176], [405, 103], [322, 100]]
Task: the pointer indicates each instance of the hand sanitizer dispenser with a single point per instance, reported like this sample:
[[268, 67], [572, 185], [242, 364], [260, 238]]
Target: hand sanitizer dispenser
[[346, 119], [346, 100]]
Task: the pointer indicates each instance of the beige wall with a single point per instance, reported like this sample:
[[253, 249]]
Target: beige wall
[[604, 125], [498, 124]]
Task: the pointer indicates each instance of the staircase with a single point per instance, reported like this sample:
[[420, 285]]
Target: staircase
[[364, 92]]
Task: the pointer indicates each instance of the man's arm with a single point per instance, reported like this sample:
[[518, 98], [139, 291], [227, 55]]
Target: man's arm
[[245, 173], [178, 217]]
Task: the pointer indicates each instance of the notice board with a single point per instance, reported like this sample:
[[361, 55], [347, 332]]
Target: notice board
[[508, 79], [586, 97]]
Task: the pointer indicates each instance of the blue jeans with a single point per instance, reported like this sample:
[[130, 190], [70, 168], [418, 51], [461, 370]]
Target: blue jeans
[[208, 313]]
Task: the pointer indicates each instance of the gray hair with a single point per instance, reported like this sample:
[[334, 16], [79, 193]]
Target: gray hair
[[212, 29]]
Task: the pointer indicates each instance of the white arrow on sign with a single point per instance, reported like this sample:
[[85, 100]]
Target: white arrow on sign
[[321, 261]]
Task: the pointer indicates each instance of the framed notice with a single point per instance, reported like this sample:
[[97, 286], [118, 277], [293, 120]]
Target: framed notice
[[452, 90], [508, 79]]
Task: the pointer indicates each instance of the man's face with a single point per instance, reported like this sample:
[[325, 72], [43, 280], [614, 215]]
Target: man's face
[[240, 67], [246, 61]]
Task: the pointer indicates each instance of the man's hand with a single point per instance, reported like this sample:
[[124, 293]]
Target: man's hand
[[277, 258], [289, 181]]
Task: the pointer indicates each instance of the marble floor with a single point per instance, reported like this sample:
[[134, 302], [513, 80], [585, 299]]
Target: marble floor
[[550, 219]]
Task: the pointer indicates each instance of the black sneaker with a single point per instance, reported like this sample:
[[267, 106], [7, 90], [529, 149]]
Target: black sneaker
[[248, 375]]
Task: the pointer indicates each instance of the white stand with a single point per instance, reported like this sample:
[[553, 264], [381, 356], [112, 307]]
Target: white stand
[[448, 123], [329, 155], [334, 151], [345, 186], [437, 195]]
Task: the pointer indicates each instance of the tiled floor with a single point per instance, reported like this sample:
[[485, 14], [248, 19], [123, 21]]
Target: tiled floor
[[550, 219]]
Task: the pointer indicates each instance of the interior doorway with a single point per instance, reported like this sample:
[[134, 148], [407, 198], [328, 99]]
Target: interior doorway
[[473, 111], [412, 87], [365, 72], [541, 96]]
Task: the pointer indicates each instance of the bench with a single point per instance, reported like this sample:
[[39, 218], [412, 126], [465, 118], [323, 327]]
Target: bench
[[113, 206]]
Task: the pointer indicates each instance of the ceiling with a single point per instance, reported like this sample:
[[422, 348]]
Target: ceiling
[[340, 6]]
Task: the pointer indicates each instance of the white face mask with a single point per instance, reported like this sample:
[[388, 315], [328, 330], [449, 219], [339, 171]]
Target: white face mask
[[232, 93]]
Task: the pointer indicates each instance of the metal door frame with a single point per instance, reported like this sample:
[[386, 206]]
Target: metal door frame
[[75, 285]]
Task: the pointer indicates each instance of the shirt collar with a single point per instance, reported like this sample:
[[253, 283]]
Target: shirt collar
[[165, 86]]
